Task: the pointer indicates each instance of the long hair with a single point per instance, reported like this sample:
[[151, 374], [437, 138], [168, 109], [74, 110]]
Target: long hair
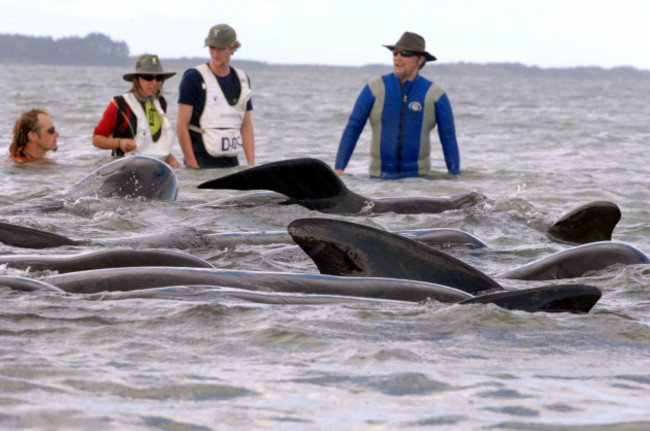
[[137, 88], [28, 122]]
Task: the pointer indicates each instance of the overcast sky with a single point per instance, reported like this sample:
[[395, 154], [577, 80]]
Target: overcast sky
[[545, 33]]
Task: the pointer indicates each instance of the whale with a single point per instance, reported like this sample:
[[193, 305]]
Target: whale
[[25, 284], [312, 184], [568, 298], [572, 298], [578, 261], [344, 248], [136, 278], [570, 228], [27, 237], [209, 293], [551, 299], [591, 222], [127, 177], [108, 258], [130, 177]]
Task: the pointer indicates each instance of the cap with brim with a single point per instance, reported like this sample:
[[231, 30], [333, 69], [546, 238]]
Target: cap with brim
[[221, 36], [148, 64], [411, 42]]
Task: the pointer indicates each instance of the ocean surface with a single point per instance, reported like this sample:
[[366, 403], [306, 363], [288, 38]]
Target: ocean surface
[[536, 147]]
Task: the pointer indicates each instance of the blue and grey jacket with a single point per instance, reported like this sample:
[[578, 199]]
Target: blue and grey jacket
[[401, 120]]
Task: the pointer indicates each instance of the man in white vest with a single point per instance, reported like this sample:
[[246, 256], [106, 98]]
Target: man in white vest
[[214, 107]]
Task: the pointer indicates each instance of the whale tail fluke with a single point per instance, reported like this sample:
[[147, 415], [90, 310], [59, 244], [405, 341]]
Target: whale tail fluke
[[575, 298], [591, 222], [26, 237]]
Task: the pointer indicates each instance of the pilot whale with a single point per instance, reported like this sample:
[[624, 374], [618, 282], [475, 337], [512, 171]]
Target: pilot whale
[[24, 284], [578, 261], [129, 177], [312, 184], [340, 247], [567, 298], [571, 298], [26, 237], [589, 221], [107, 258], [126, 177]]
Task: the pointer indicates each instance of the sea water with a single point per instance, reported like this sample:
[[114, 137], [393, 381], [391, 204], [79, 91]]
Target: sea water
[[536, 147]]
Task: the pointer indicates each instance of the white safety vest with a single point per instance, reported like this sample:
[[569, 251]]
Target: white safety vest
[[220, 123], [143, 138]]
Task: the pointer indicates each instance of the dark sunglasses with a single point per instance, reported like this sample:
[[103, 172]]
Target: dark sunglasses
[[150, 78], [51, 130], [405, 54]]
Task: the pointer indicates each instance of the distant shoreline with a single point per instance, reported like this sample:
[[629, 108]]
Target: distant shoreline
[[97, 49], [440, 69]]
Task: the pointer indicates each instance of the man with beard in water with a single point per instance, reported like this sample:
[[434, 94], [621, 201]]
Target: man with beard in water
[[403, 108], [34, 135]]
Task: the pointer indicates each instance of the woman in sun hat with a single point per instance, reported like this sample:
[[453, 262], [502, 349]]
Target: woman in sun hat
[[136, 122]]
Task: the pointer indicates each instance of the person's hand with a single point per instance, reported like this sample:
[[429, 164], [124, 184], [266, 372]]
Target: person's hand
[[127, 145], [191, 165], [338, 171], [171, 161]]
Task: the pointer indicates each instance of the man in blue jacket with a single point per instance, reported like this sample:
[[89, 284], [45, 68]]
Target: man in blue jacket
[[403, 108]]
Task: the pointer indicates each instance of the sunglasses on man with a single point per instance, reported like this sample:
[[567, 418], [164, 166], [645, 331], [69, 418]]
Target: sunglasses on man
[[405, 54]]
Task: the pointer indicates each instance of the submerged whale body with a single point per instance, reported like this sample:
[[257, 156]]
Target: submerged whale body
[[312, 184], [551, 299], [130, 177], [578, 261], [26, 237], [602, 217], [111, 258], [127, 177], [135, 278], [24, 284], [343, 248], [575, 298]]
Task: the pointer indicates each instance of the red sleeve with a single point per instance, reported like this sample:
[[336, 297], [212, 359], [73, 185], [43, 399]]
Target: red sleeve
[[107, 124]]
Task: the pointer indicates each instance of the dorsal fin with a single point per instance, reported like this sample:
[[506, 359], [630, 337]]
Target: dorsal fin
[[591, 222], [296, 178], [343, 248]]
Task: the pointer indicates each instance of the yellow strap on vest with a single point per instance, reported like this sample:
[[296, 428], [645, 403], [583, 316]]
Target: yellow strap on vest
[[154, 118]]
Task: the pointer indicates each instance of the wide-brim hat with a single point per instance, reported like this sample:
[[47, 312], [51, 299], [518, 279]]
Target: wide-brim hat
[[412, 42], [221, 36], [148, 64]]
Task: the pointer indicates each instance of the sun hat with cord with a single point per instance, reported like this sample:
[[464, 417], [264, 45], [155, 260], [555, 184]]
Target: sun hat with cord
[[412, 42], [148, 64]]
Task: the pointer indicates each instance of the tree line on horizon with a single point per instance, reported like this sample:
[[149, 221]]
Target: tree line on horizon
[[97, 49], [93, 49]]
